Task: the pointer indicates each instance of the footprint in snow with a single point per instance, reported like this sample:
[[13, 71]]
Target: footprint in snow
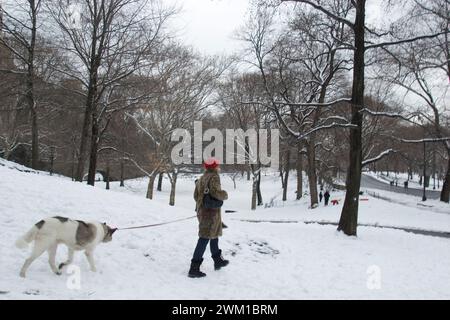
[[147, 255], [261, 247], [33, 292]]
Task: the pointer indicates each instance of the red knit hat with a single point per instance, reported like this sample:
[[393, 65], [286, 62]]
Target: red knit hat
[[211, 163]]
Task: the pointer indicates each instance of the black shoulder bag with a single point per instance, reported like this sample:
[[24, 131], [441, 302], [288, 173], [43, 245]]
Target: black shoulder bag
[[209, 202]]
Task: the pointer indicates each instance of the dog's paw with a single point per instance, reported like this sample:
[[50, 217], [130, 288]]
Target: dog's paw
[[22, 275]]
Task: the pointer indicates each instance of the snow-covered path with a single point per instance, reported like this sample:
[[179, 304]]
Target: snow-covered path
[[267, 260], [368, 181]]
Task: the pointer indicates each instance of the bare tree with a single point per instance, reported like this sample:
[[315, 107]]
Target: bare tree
[[185, 83], [299, 72], [423, 69], [110, 41], [339, 11], [232, 92], [20, 28]]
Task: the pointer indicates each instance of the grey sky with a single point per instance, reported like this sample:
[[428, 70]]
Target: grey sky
[[208, 25]]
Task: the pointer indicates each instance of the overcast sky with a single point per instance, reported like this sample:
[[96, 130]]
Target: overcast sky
[[208, 25]]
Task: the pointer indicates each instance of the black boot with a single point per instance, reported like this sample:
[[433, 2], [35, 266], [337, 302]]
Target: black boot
[[194, 271], [219, 261]]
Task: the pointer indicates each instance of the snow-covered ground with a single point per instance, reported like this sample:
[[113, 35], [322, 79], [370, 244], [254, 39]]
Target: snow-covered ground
[[268, 260]]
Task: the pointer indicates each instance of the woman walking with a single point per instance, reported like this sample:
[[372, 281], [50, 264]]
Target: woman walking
[[210, 219]]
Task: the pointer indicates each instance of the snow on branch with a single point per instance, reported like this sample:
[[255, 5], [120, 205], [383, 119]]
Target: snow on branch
[[392, 43], [325, 11], [314, 104], [144, 130], [390, 114], [329, 126], [425, 140], [299, 104], [379, 157], [148, 174], [113, 149]]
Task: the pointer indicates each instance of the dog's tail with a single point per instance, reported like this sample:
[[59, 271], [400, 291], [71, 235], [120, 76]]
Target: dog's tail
[[23, 241]]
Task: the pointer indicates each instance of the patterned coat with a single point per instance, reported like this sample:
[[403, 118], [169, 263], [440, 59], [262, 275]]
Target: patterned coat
[[210, 220]]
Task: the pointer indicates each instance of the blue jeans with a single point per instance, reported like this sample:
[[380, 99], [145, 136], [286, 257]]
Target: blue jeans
[[201, 247]]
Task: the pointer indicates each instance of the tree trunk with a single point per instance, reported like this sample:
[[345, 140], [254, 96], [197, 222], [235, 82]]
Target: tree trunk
[[445, 193], [85, 136], [72, 169], [33, 114], [91, 103], [173, 184], [253, 205], [107, 177], [349, 216], [34, 137], [52, 159], [286, 174], [434, 169], [160, 179], [30, 89], [94, 151], [312, 175], [299, 175], [122, 184], [258, 190], [151, 182]]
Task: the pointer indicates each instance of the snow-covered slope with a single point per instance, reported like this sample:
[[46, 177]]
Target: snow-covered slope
[[267, 260]]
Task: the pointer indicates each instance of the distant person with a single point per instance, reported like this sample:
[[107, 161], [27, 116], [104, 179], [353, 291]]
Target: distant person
[[326, 197], [320, 197], [396, 183], [406, 184], [210, 219]]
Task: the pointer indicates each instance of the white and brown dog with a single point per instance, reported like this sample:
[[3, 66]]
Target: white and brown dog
[[75, 234]]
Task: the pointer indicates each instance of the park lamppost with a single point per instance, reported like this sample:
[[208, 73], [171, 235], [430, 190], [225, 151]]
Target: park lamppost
[[424, 196]]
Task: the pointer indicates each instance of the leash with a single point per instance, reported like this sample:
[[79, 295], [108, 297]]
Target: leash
[[163, 223], [156, 224]]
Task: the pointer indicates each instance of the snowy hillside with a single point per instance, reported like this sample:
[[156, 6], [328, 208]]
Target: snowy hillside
[[278, 258]]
